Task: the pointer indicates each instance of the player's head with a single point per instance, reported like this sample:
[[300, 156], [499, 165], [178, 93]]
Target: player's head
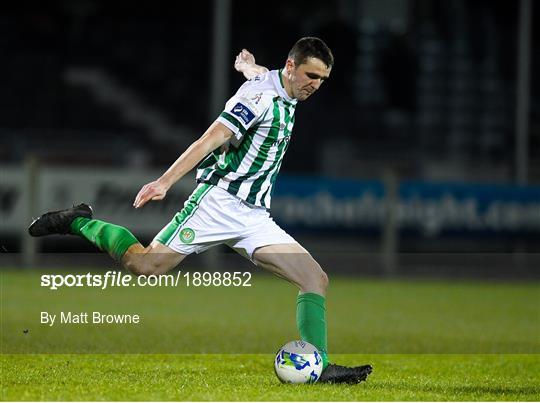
[[309, 63]]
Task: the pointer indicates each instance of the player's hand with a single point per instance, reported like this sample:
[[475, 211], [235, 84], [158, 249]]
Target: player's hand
[[151, 191], [244, 60]]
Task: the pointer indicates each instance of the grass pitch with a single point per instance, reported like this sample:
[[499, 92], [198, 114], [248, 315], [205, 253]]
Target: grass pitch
[[250, 377], [428, 340]]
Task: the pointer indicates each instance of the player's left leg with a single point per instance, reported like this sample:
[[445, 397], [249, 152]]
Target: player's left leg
[[293, 263]]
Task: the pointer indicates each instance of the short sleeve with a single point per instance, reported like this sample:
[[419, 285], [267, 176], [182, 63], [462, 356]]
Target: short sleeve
[[242, 111]]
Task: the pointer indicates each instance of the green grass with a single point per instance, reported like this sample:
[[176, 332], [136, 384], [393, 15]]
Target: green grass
[[250, 377], [428, 340]]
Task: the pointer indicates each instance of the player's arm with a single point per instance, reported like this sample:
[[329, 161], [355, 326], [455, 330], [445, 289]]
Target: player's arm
[[216, 135], [245, 64]]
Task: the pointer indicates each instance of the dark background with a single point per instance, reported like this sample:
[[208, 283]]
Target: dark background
[[425, 87]]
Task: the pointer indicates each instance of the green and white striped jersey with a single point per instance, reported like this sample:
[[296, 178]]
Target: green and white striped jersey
[[261, 116]]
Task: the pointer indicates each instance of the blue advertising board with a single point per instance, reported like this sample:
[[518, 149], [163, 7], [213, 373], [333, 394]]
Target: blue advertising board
[[428, 209]]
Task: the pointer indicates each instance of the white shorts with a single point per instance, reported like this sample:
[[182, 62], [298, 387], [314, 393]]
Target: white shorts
[[212, 216]]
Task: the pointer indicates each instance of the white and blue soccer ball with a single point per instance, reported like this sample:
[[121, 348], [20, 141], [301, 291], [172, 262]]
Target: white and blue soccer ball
[[298, 362]]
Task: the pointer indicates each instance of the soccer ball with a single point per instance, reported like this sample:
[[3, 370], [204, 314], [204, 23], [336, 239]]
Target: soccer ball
[[298, 362]]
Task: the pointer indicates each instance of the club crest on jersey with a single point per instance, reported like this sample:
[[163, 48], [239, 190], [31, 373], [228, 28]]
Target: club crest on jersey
[[243, 112], [187, 235]]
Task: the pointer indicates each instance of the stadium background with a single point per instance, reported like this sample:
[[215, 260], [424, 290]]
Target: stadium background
[[440, 94], [412, 177]]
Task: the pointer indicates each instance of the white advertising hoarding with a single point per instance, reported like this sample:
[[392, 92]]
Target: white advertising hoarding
[[109, 191]]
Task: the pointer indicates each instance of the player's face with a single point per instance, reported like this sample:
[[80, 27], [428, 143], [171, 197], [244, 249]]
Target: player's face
[[307, 77]]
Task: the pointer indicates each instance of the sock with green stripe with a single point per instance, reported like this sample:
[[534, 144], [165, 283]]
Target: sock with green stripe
[[311, 321], [113, 239]]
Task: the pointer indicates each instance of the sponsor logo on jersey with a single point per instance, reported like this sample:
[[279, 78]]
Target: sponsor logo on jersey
[[243, 112], [187, 235]]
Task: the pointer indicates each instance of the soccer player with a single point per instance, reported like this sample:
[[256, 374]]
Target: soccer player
[[241, 154]]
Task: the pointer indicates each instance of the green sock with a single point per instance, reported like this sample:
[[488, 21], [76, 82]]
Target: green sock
[[113, 239], [311, 321]]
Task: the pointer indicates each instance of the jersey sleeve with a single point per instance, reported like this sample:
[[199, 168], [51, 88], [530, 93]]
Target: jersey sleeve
[[242, 111]]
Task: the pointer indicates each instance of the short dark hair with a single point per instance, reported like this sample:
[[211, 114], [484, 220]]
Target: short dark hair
[[310, 46]]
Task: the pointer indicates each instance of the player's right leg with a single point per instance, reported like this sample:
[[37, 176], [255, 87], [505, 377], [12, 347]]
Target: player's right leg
[[155, 259], [116, 240]]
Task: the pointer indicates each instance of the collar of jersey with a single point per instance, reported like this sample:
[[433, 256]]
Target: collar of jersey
[[278, 81]]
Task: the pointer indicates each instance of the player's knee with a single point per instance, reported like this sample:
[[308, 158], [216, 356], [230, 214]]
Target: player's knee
[[324, 280], [316, 281], [320, 281]]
